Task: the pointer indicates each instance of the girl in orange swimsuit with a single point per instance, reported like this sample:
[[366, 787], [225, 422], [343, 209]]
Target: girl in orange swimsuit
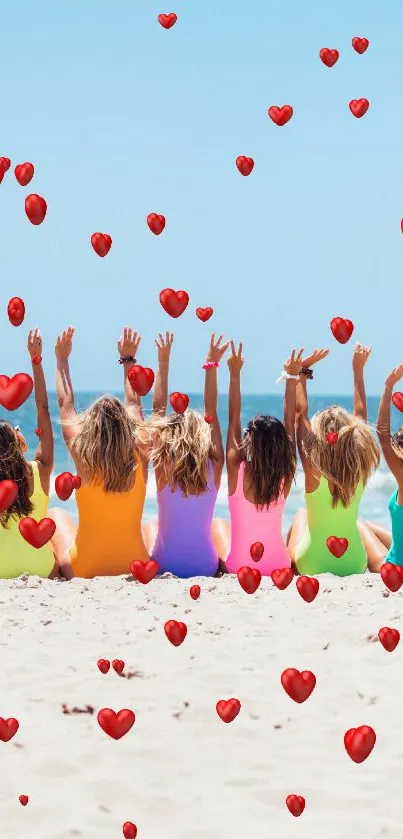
[[109, 457]]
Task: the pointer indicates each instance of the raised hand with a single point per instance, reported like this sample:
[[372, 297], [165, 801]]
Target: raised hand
[[129, 342], [64, 344], [394, 376], [294, 363], [235, 361], [35, 343], [316, 355], [164, 346], [361, 354], [216, 351]]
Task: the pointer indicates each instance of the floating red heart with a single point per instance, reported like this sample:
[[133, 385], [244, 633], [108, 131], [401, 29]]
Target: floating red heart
[[359, 742], [23, 799], [15, 391], [389, 638], [329, 57], [144, 572], [392, 576], [299, 686], [16, 311], [167, 21], [129, 830], [102, 243], [208, 420], [156, 223], [5, 164], [8, 494], [249, 579], [103, 665], [176, 632], [141, 379], [228, 709], [280, 115], [36, 360], [194, 592], [397, 400], [342, 329], [24, 173], [114, 724], [65, 483], [36, 533], [35, 208], [118, 665], [332, 438], [359, 107], [282, 577], [256, 551], [360, 44], [308, 588], [8, 728], [337, 546], [295, 804], [179, 402], [174, 302], [244, 164], [39, 432], [204, 314]]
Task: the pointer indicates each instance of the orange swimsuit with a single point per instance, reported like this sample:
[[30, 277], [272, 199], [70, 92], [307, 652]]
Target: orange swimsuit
[[109, 533]]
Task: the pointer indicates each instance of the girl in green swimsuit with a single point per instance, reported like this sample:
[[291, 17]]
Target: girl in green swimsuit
[[336, 473], [392, 449]]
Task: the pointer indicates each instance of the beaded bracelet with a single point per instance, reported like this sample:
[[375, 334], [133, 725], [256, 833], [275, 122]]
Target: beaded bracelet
[[306, 371], [210, 364], [126, 359]]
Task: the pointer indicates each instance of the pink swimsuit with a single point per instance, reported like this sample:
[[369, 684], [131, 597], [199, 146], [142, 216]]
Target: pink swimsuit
[[249, 525]]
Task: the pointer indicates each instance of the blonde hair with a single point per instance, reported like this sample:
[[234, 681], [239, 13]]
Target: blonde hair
[[350, 460], [106, 446], [181, 450]]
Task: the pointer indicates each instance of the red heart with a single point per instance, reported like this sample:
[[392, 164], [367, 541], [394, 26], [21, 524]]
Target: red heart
[[359, 107], [256, 551], [174, 302], [102, 243], [5, 163], [249, 579], [129, 830], [8, 728], [118, 665], [176, 632], [228, 709], [36, 359], [24, 173], [179, 402], [23, 799], [143, 572], [360, 44], [76, 481], [16, 311], [397, 400], [209, 420], [204, 314], [156, 223], [15, 391], [103, 665], [299, 686], [35, 208], [141, 379], [336, 546], [342, 329], [308, 588], [329, 57], [280, 115], [38, 432], [389, 638], [245, 164], [194, 592], [114, 724], [332, 438], [282, 577], [295, 804], [359, 742], [36, 533], [167, 21], [64, 485], [8, 494], [392, 575]]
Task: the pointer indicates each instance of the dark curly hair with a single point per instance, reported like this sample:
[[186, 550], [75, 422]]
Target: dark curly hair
[[268, 450], [14, 467]]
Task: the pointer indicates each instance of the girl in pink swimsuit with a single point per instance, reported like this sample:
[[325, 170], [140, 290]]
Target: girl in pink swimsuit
[[261, 466]]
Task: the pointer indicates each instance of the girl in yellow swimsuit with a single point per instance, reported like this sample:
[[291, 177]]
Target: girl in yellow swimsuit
[[33, 479], [109, 457]]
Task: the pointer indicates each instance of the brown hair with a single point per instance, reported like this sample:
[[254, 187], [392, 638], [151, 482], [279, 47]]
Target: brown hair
[[14, 467], [181, 450], [396, 441], [268, 450], [352, 459]]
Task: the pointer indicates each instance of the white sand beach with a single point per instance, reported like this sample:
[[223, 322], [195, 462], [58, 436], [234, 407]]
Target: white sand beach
[[180, 772]]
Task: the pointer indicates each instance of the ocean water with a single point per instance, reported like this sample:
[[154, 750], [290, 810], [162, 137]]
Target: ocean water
[[374, 505]]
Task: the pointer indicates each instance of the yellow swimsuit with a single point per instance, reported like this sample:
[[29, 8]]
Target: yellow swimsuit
[[109, 533], [16, 555]]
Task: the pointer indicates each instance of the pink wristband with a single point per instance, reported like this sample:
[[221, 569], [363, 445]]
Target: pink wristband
[[210, 364]]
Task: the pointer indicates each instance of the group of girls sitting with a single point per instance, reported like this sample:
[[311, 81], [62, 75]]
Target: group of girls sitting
[[112, 446]]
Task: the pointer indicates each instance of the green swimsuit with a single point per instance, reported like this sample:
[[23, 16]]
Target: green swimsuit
[[312, 556]]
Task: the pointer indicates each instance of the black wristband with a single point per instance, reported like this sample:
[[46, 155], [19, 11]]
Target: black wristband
[[306, 371], [127, 359]]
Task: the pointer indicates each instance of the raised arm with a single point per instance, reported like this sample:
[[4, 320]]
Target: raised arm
[[160, 395], [215, 354], [383, 425], [303, 425], [292, 368], [64, 387], [45, 449], [234, 435], [360, 357], [128, 345]]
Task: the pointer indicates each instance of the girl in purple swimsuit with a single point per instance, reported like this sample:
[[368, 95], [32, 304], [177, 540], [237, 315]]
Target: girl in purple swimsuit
[[188, 459]]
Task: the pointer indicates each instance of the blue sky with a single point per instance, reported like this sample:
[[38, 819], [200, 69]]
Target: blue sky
[[122, 118]]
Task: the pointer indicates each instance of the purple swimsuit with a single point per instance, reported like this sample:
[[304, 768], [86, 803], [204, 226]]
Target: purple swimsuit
[[184, 543]]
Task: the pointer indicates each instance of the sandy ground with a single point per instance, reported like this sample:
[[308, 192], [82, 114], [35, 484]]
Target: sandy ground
[[181, 773]]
